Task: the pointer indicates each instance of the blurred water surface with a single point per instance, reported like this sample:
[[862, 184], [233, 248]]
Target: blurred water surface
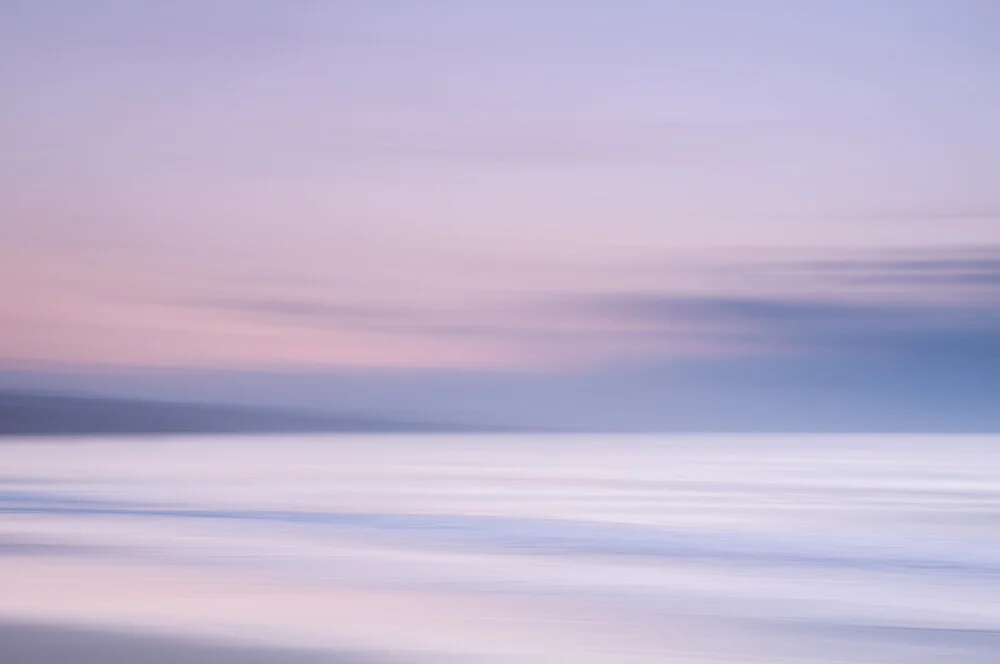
[[714, 549]]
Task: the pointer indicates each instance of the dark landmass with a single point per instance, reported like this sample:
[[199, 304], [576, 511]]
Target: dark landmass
[[23, 414]]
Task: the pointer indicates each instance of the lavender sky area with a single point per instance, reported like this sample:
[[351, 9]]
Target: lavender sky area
[[630, 214]]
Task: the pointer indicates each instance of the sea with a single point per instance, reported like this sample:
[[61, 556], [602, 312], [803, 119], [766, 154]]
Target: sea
[[555, 549]]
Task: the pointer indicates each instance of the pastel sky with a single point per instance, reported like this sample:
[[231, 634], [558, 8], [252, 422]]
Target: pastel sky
[[567, 212]]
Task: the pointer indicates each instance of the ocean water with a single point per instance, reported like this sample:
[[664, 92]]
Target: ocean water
[[591, 549]]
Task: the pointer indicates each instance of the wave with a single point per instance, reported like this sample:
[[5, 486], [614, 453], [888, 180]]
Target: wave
[[563, 537]]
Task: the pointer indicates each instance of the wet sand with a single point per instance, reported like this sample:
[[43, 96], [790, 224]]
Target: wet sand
[[36, 643]]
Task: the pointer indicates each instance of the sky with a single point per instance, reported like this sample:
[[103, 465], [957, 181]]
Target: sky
[[630, 214]]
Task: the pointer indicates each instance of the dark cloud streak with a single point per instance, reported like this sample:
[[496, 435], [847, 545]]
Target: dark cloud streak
[[972, 267]]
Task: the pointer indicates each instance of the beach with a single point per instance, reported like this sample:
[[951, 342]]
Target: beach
[[500, 550]]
